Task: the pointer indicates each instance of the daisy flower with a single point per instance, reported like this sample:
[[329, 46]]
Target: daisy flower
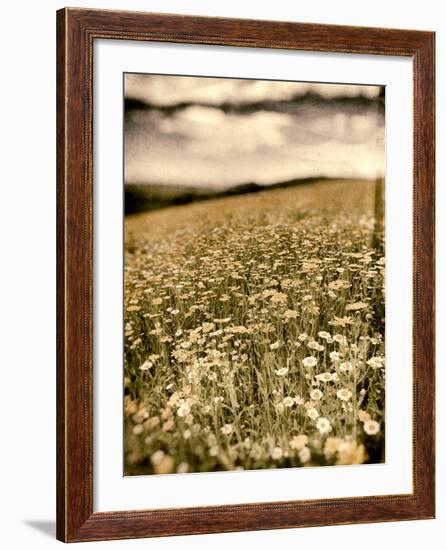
[[226, 429], [371, 427], [304, 455], [276, 453], [316, 394], [312, 413], [323, 425], [309, 362], [282, 372], [344, 394]]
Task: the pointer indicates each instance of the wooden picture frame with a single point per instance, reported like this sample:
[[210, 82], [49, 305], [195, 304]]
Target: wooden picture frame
[[76, 31]]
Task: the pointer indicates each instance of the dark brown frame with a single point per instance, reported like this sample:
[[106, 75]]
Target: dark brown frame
[[76, 31]]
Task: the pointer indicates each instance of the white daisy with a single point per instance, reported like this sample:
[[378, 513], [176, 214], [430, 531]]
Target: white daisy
[[309, 362], [371, 427], [323, 425]]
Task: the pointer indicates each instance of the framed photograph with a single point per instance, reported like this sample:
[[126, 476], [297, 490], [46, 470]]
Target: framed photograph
[[245, 275]]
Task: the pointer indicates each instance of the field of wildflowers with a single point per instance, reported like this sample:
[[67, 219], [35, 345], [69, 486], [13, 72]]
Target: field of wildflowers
[[254, 332]]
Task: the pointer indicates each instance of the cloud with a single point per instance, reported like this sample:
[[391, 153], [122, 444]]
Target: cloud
[[166, 90], [205, 145]]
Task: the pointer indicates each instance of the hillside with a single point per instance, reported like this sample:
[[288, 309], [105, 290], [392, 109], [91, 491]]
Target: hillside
[[146, 197]]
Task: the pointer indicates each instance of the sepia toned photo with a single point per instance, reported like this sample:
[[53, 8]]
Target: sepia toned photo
[[254, 274]]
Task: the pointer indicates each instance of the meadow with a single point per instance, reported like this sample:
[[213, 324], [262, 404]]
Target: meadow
[[254, 332]]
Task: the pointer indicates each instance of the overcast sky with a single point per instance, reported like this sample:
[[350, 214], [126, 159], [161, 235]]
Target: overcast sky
[[220, 132]]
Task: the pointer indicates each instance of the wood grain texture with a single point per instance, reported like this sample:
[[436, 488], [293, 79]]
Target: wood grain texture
[[76, 31]]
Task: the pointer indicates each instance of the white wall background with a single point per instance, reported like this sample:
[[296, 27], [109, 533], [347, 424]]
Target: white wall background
[[27, 215]]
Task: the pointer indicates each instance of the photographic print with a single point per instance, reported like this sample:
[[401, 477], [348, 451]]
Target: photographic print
[[254, 274], [239, 254]]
